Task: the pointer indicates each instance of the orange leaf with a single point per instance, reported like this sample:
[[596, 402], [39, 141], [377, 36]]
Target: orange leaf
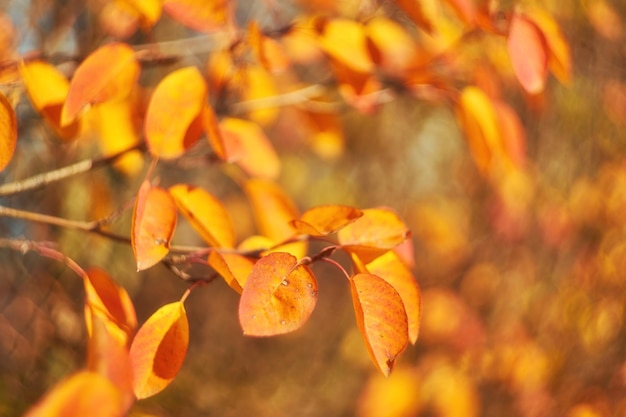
[[108, 356], [414, 10], [177, 102], [233, 267], [390, 268], [278, 297], [109, 300], [391, 46], [213, 133], [326, 134], [465, 9], [323, 220], [108, 73], [148, 11], [376, 232], [201, 15], [8, 132], [381, 318], [249, 148], [257, 84], [159, 349], [83, 394], [528, 53], [206, 214], [154, 221]]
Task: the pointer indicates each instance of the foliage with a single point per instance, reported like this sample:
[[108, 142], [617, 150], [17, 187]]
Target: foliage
[[229, 102]]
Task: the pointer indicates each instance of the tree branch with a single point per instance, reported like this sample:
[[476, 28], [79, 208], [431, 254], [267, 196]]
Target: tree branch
[[41, 180]]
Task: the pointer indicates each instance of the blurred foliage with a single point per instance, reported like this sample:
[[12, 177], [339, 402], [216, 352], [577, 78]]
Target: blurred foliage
[[523, 307]]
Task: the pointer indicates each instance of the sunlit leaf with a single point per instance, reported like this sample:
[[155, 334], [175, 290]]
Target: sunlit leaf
[[528, 52], [234, 268], [111, 301], [248, 147], [47, 89], [118, 131], [108, 73], [148, 11], [108, 356], [257, 84], [273, 210], [278, 297], [376, 232], [391, 46], [481, 124], [119, 19], [345, 41], [390, 268], [327, 138], [8, 132], [512, 133], [267, 51], [381, 318], [359, 89], [154, 221], [206, 214], [213, 132], [83, 394], [465, 9], [560, 60], [159, 349], [415, 11], [173, 121], [323, 220], [201, 15]]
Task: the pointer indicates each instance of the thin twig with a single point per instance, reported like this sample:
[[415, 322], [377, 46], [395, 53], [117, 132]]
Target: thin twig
[[41, 180], [303, 95]]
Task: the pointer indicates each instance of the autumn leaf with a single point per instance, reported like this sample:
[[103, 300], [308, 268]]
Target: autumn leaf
[[206, 214], [345, 41], [8, 132], [416, 13], [258, 84], [154, 221], [108, 356], [465, 9], [234, 268], [376, 232], [278, 297], [201, 15], [528, 52], [273, 211], [559, 60], [173, 122], [106, 298], [47, 89], [159, 349], [83, 394], [213, 133], [148, 11], [326, 219], [390, 268], [381, 318], [248, 147], [108, 73]]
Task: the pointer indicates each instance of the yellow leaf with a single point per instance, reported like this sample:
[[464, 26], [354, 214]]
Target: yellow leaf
[[108, 73], [174, 109], [278, 296], [154, 221], [248, 147], [323, 220], [345, 41], [8, 132], [560, 60], [233, 267], [159, 349], [206, 214], [258, 84], [201, 15]]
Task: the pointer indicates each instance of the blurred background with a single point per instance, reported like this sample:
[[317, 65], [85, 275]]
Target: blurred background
[[523, 305]]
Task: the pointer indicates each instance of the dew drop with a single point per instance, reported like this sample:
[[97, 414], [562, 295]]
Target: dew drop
[[284, 282], [308, 284], [283, 322]]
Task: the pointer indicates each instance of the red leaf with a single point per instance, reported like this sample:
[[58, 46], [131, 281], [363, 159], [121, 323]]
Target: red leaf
[[159, 349], [110, 72], [82, 394], [278, 297], [206, 214], [376, 232], [323, 220], [173, 122], [8, 132], [154, 221], [381, 318], [528, 53]]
